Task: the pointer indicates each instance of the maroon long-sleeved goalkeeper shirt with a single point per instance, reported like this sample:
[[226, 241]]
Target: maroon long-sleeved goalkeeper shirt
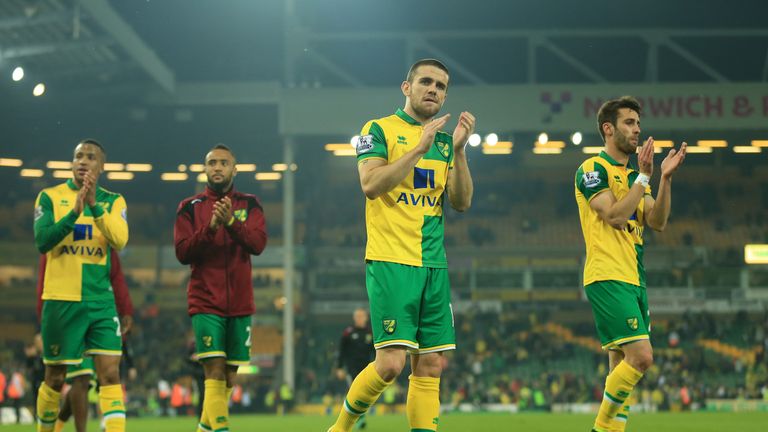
[[220, 283]]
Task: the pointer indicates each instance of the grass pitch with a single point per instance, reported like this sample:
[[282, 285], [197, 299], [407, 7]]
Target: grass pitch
[[638, 422]]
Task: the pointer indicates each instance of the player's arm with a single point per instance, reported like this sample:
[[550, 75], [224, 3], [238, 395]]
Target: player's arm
[[40, 285], [48, 233], [378, 177], [615, 212], [190, 243], [251, 234], [594, 186], [460, 186], [112, 224], [657, 211], [123, 301]]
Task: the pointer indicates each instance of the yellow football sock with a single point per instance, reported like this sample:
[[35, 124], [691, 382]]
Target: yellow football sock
[[112, 407], [423, 403], [204, 425], [47, 408], [619, 423], [215, 405], [59, 426], [365, 389], [618, 387]]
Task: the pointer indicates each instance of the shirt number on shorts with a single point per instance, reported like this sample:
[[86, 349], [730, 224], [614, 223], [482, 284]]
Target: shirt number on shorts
[[248, 341], [117, 321]]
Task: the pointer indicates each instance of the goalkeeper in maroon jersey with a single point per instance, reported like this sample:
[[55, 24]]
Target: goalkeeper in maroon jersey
[[216, 232]]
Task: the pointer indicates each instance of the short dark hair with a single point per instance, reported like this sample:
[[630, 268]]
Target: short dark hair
[[609, 111], [92, 141], [225, 148], [425, 62]]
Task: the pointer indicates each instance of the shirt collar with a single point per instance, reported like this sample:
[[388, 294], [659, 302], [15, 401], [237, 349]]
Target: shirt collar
[[406, 118], [613, 161], [215, 195], [72, 185]]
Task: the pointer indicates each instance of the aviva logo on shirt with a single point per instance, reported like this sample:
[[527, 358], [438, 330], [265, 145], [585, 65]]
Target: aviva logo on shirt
[[422, 179], [82, 232]]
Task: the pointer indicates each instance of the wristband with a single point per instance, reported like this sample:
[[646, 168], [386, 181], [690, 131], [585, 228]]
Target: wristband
[[231, 221], [643, 180]]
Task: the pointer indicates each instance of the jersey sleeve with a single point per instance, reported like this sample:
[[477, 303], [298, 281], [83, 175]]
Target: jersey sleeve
[[113, 224], [119, 286], [631, 179], [48, 232], [190, 241], [591, 179], [251, 234], [372, 142]]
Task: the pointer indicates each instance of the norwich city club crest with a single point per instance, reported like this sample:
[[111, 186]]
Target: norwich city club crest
[[207, 341], [389, 325], [632, 323], [240, 214], [443, 147]]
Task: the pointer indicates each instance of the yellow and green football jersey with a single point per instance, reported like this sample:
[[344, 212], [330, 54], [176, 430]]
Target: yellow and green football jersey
[[78, 246], [406, 224], [612, 254]]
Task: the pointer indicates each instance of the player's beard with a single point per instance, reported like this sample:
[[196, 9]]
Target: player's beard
[[623, 144], [425, 112], [221, 187]]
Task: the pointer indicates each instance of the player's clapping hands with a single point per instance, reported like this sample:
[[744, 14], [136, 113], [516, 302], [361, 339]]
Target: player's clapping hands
[[464, 129], [672, 162], [222, 213], [430, 129]]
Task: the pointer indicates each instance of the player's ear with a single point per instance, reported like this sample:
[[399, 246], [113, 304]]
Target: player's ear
[[607, 129], [406, 88]]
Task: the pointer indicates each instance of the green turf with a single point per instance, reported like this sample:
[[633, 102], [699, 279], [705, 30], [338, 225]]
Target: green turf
[[665, 422]]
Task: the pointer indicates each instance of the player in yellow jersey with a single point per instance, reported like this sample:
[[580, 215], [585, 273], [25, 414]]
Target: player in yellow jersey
[[77, 224], [615, 205], [407, 166]]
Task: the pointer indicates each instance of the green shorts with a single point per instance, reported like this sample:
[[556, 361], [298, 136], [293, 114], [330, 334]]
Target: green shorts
[[410, 306], [621, 312], [217, 336], [73, 329], [84, 368]]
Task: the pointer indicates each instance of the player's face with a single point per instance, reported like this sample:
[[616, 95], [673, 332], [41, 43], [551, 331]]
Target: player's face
[[427, 91], [220, 169], [360, 318], [626, 134], [87, 158]]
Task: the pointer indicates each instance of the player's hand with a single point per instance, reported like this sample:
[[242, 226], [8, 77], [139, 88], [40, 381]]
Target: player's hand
[[80, 199], [672, 162], [126, 324], [30, 351], [215, 222], [90, 181], [223, 209], [82, 196], [428, 136], [464, 129], [645, 157]]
